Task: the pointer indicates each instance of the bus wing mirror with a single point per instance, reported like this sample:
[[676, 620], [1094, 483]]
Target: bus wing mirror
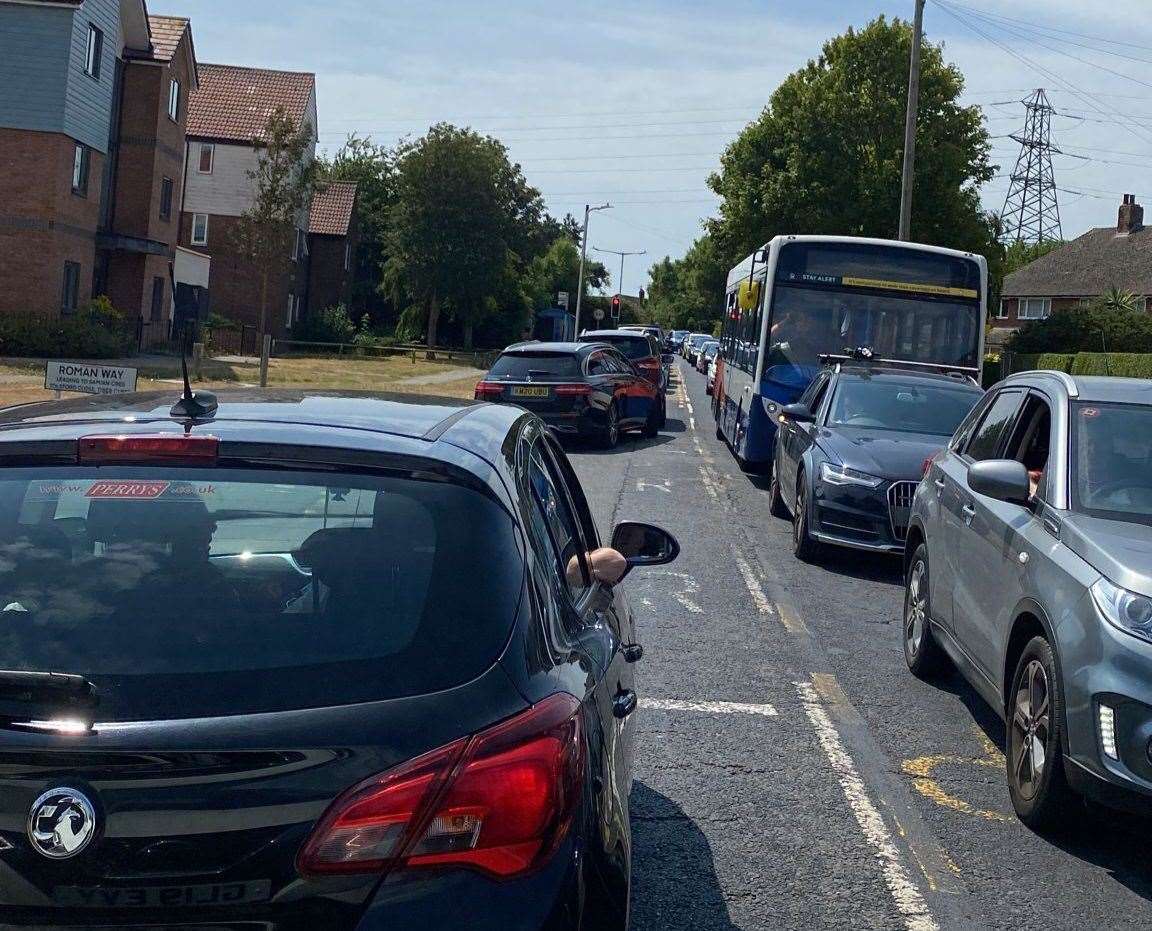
[[797, 413]]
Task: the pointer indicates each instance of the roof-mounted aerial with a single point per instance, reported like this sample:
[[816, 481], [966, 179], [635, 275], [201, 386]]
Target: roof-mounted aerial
[[193, 405]]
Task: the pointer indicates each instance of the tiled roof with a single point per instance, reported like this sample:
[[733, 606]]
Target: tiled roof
[[233, 103], [167, 31], [331, 213], [1088, 266]]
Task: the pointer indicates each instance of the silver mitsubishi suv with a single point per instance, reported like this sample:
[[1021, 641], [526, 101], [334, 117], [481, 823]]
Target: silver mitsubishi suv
[[1029, 567]]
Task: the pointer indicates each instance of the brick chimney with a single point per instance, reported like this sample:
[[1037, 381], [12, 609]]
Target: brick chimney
[[1131, 216]]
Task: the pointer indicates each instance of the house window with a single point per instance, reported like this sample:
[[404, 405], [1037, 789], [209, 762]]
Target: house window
[[1034, 308], [174, 100], [80, 161], [94, 53], [1002, 313], [1141, 305], [207, 156], [299, 246], [291, 309], [347, 255], [157, 300], [166, 199], [70, 294], [199, 229]]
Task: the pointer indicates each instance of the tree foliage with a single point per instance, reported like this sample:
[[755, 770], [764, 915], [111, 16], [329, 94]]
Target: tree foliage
[[825, 156], [688, 293], [284, 180], [558, 269]]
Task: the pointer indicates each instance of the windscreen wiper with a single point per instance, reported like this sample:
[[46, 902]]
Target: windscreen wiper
[[25, 693]]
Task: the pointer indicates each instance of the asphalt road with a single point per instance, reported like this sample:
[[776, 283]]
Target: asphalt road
[[790, 772]]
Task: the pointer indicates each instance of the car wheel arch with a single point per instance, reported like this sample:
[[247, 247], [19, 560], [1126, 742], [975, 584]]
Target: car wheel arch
[[1030, 620], [912, 541]]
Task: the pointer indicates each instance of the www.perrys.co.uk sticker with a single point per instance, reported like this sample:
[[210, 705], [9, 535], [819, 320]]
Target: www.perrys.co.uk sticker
[[1090, 412], [128, 491]]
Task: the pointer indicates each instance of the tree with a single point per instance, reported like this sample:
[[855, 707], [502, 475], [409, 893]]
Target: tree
[[557, 270], [462, 211], [688, 293], [373, 168], [825, 155], [1096, 328], [284, 179]]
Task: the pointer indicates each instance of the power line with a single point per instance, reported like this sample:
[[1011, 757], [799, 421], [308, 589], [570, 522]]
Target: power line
[[1068, 32]]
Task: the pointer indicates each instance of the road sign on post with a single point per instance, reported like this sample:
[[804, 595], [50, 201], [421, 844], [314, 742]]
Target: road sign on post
[[562, 299], [89, 377], [597, 314]]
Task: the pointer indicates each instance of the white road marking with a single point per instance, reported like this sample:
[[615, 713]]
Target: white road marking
[[708, 707], [905, 894], [666, 487], [682, 595], [763, 605]]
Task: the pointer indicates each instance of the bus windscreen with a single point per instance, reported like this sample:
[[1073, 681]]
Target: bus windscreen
[[902, 304]]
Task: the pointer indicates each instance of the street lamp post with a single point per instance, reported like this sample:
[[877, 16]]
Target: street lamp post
[[623, 255], [588, 209]]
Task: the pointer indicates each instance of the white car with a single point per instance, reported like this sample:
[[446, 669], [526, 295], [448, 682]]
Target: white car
[[711, 375]]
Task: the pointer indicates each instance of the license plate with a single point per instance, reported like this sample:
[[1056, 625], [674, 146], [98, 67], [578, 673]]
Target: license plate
[[236, 893], [524, 392]]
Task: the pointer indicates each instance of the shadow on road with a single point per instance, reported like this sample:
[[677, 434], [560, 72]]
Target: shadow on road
[[674, 884], [1115, 841], [885, 570]]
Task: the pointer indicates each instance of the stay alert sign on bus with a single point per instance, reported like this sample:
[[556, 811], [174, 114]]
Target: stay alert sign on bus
[[89, 377]]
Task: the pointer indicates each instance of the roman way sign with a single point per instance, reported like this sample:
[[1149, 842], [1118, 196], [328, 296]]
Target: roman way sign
[[89, 377]]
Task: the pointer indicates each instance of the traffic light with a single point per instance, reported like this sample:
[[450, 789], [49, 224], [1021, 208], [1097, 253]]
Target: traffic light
[[616, 307]]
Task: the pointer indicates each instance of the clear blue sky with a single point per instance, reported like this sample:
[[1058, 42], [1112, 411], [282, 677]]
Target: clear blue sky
[[634, 102]]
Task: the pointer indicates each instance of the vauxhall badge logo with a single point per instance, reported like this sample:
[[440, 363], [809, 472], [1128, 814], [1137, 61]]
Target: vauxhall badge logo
[[62, 823]]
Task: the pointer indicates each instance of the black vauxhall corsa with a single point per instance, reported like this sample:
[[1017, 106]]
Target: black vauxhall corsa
[[250, 676]]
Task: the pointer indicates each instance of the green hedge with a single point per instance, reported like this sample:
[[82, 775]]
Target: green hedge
[[1126, 364], [83, 336], [1049, 361]]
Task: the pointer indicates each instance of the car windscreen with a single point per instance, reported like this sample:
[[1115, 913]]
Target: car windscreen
[[633, 347], [541, 366], [189, 593], [1111, 474], [904, 406]]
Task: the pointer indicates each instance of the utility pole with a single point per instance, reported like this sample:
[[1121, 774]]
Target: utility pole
[[623, 255], [907, 181], [588, 209]]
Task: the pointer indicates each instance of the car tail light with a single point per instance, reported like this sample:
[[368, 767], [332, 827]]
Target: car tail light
[[164, 447], [486, 388], [926, 465], [568, 391], [498, 802]]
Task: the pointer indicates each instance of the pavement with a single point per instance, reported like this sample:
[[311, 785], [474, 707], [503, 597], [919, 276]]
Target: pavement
[[790, 772]]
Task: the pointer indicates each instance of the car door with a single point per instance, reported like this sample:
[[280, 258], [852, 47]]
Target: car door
[[979, 533], [636, 390], [604, 380], [794, 439], [598, 626]]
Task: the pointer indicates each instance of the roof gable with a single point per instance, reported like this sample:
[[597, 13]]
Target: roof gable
[[233, 103], [1088, 266], [332, 206]]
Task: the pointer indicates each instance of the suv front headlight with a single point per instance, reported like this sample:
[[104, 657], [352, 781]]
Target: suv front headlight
[[1129, 611], [842, 475]]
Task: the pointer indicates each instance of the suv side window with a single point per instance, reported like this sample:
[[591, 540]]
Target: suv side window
[[620, 364], [985, 442], [553, 513], [1031, 441], [596, 364], [964, 431]]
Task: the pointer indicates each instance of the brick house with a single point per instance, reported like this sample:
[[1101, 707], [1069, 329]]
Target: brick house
[[332, 245], [91, 117], [227, 113], [1080, 271]]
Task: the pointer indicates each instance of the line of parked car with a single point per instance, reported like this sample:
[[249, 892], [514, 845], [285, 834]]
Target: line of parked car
[[1023, 516]]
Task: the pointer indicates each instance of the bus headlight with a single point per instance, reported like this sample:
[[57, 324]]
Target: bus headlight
[[842, 475]]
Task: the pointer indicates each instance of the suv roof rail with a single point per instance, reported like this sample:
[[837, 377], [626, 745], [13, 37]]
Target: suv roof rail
[[1064, 378]]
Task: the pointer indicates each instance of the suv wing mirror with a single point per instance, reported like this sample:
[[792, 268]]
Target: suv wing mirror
[[1001, 479], [798, 413]]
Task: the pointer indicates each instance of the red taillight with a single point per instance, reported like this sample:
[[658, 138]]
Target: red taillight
[[487, 388], [164, 447], [926, 466], [498, 802], [568, 391]]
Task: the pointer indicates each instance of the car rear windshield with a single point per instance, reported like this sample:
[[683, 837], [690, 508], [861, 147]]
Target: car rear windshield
[[633, 347], [1112, 461], [188, 593], [903, 406], [536, 365]]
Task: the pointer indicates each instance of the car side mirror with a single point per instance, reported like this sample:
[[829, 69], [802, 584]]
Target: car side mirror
[[1001, 479], [644, 544], [798, 413]]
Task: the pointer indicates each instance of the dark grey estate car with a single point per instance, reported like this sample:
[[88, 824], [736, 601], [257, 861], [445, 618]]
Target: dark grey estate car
[[1030, 566]]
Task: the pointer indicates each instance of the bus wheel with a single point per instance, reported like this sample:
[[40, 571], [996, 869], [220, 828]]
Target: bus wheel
[[803, 544]]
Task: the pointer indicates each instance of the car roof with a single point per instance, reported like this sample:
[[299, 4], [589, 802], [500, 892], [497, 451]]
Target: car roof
[[902, 374], [364, 420], [1094, 388], [522, 348], [592, 335]]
